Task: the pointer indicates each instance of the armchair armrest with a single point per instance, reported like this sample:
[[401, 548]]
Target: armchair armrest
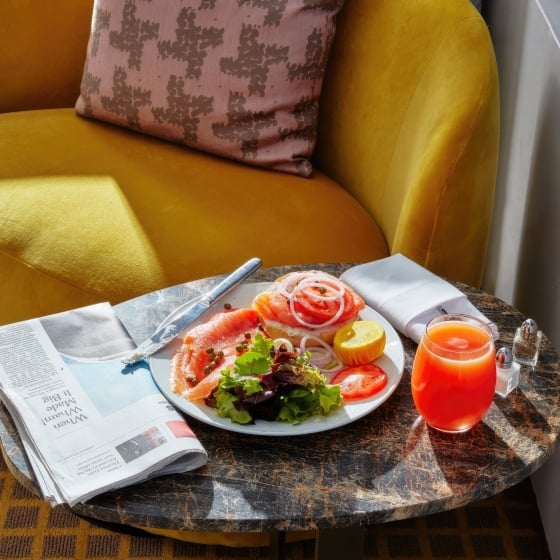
[[409, 124]]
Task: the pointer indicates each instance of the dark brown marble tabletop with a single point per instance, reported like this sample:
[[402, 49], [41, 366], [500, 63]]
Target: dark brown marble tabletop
[[386, 466]]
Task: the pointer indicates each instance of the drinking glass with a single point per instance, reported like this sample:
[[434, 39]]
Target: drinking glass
[[454, 372]]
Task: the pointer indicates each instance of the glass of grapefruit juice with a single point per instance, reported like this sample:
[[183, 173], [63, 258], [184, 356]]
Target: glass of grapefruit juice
[[454, 372]]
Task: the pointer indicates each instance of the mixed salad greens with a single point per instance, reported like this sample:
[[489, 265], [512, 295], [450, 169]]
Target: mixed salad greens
[[273, 383]]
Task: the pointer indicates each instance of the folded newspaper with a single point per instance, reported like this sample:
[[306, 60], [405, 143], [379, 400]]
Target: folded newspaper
[[88, 423]]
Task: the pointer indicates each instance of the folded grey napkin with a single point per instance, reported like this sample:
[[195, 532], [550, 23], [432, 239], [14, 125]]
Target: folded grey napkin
[[408, 295]]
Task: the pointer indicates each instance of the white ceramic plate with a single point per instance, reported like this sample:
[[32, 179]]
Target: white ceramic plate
[[392, 361]]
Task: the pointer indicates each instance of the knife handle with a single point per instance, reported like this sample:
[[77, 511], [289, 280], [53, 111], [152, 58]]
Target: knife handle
[[232, 280]]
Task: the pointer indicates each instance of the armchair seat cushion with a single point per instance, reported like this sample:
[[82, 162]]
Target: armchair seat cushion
[[84, 198]]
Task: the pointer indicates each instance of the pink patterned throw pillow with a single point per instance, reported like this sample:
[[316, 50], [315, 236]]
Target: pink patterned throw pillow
[[237, 78]]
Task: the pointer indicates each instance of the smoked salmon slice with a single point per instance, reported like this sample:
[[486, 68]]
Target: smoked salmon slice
[[209, 348]]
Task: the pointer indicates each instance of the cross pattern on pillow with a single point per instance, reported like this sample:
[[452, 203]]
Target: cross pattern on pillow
[[191, 43], [183, 109], [126, 100], [134, 33], [236, 129], [254, 59]]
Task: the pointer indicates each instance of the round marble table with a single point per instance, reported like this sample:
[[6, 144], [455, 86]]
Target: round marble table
[[386, 466]]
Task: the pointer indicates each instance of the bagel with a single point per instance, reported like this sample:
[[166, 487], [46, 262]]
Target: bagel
[[310, 304]]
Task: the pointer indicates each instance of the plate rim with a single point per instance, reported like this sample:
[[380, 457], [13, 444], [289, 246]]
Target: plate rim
[[348, 413]]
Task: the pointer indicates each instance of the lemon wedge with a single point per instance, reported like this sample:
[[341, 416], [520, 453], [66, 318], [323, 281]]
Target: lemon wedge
[[359, 342]]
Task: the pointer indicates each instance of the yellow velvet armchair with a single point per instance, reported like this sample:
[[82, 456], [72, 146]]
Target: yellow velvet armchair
[[405, 162]]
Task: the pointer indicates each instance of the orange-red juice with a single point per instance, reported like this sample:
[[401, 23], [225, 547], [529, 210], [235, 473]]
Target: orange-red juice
[[454, 375]]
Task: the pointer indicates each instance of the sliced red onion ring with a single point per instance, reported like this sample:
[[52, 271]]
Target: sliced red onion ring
[[303, 322], [306, 286], [294, 279], [322, 356], [279, 342], [303, 282]]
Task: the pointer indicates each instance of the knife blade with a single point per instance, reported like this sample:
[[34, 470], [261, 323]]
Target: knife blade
[[166, 333]]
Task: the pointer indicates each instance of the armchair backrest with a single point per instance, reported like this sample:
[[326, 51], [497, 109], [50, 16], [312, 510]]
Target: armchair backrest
[[409, 124], [43, 48]]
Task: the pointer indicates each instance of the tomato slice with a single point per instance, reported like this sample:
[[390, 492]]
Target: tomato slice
[[360, 382], [313, 309]]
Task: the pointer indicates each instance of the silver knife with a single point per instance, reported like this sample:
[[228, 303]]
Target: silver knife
[[165, 334]]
